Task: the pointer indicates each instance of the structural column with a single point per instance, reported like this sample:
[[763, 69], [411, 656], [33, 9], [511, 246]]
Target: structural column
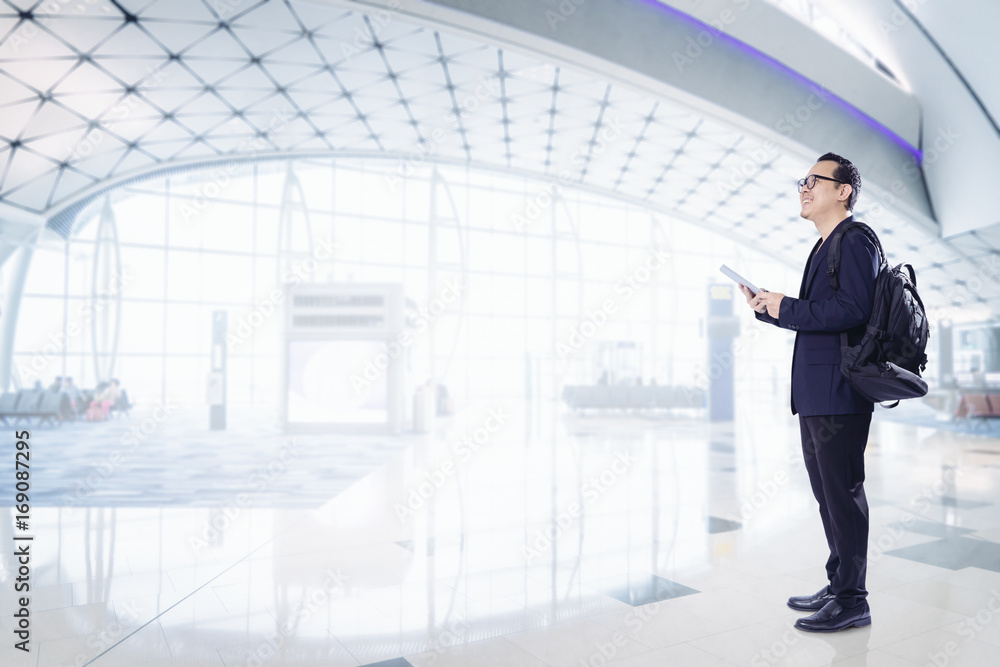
[[8, 318], [722, 327]]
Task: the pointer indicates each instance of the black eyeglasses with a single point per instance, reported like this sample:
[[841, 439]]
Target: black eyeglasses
[[810, 181]]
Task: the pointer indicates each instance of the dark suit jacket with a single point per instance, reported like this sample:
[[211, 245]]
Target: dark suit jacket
[[819, 315]]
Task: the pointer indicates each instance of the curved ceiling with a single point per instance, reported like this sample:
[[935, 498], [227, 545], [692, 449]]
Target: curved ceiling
[[947, 52], [100, 92]]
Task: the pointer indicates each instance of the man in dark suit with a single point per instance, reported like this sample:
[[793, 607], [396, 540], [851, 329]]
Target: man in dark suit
[[833, 419]]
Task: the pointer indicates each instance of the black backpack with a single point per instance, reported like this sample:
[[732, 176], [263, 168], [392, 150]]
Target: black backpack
[[886, 365]]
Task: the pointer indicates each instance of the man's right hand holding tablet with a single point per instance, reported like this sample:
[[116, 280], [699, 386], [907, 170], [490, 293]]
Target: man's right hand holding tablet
[[752, 300]]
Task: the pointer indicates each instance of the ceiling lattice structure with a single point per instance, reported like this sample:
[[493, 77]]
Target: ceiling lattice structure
[[97, 91]]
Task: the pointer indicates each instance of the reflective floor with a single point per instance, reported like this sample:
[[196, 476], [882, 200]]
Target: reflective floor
[[510, 537]]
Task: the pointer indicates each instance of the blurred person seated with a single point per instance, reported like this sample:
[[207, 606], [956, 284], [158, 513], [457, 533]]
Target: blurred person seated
[[114, 390], [57, 384], [122, 403], [86, 396], [71, 390], [101, 405]]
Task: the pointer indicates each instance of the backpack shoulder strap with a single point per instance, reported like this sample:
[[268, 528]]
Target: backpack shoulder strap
[[833, 259], [833, 255]]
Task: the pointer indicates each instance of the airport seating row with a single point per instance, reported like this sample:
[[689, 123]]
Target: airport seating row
[[978, 405], [580, 397], [48, 406]]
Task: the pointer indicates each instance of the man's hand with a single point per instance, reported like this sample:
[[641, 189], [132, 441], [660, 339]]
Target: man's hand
[[769, 302], [751, 299]]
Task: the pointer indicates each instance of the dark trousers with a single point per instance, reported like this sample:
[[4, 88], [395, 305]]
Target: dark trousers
[[833, 447]]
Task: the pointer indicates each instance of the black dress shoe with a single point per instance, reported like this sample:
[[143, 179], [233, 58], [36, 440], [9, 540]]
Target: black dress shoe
[[834, 617], [811, 602]]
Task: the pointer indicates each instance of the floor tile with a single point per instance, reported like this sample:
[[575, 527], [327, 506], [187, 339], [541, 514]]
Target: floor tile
[[768, 644], [954, 553], [680, 654], [497, 652], [577, 642], [641, 589]]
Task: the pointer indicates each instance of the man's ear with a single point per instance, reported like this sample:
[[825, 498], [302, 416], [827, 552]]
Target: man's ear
[[845, 192]]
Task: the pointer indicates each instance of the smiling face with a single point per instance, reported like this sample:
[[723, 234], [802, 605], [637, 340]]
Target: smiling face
[[826, 199]]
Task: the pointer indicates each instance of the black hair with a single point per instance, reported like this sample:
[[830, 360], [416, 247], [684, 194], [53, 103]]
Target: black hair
[[845, 172]]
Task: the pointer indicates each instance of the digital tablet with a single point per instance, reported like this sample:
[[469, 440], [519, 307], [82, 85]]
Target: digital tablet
[[739, 279]]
